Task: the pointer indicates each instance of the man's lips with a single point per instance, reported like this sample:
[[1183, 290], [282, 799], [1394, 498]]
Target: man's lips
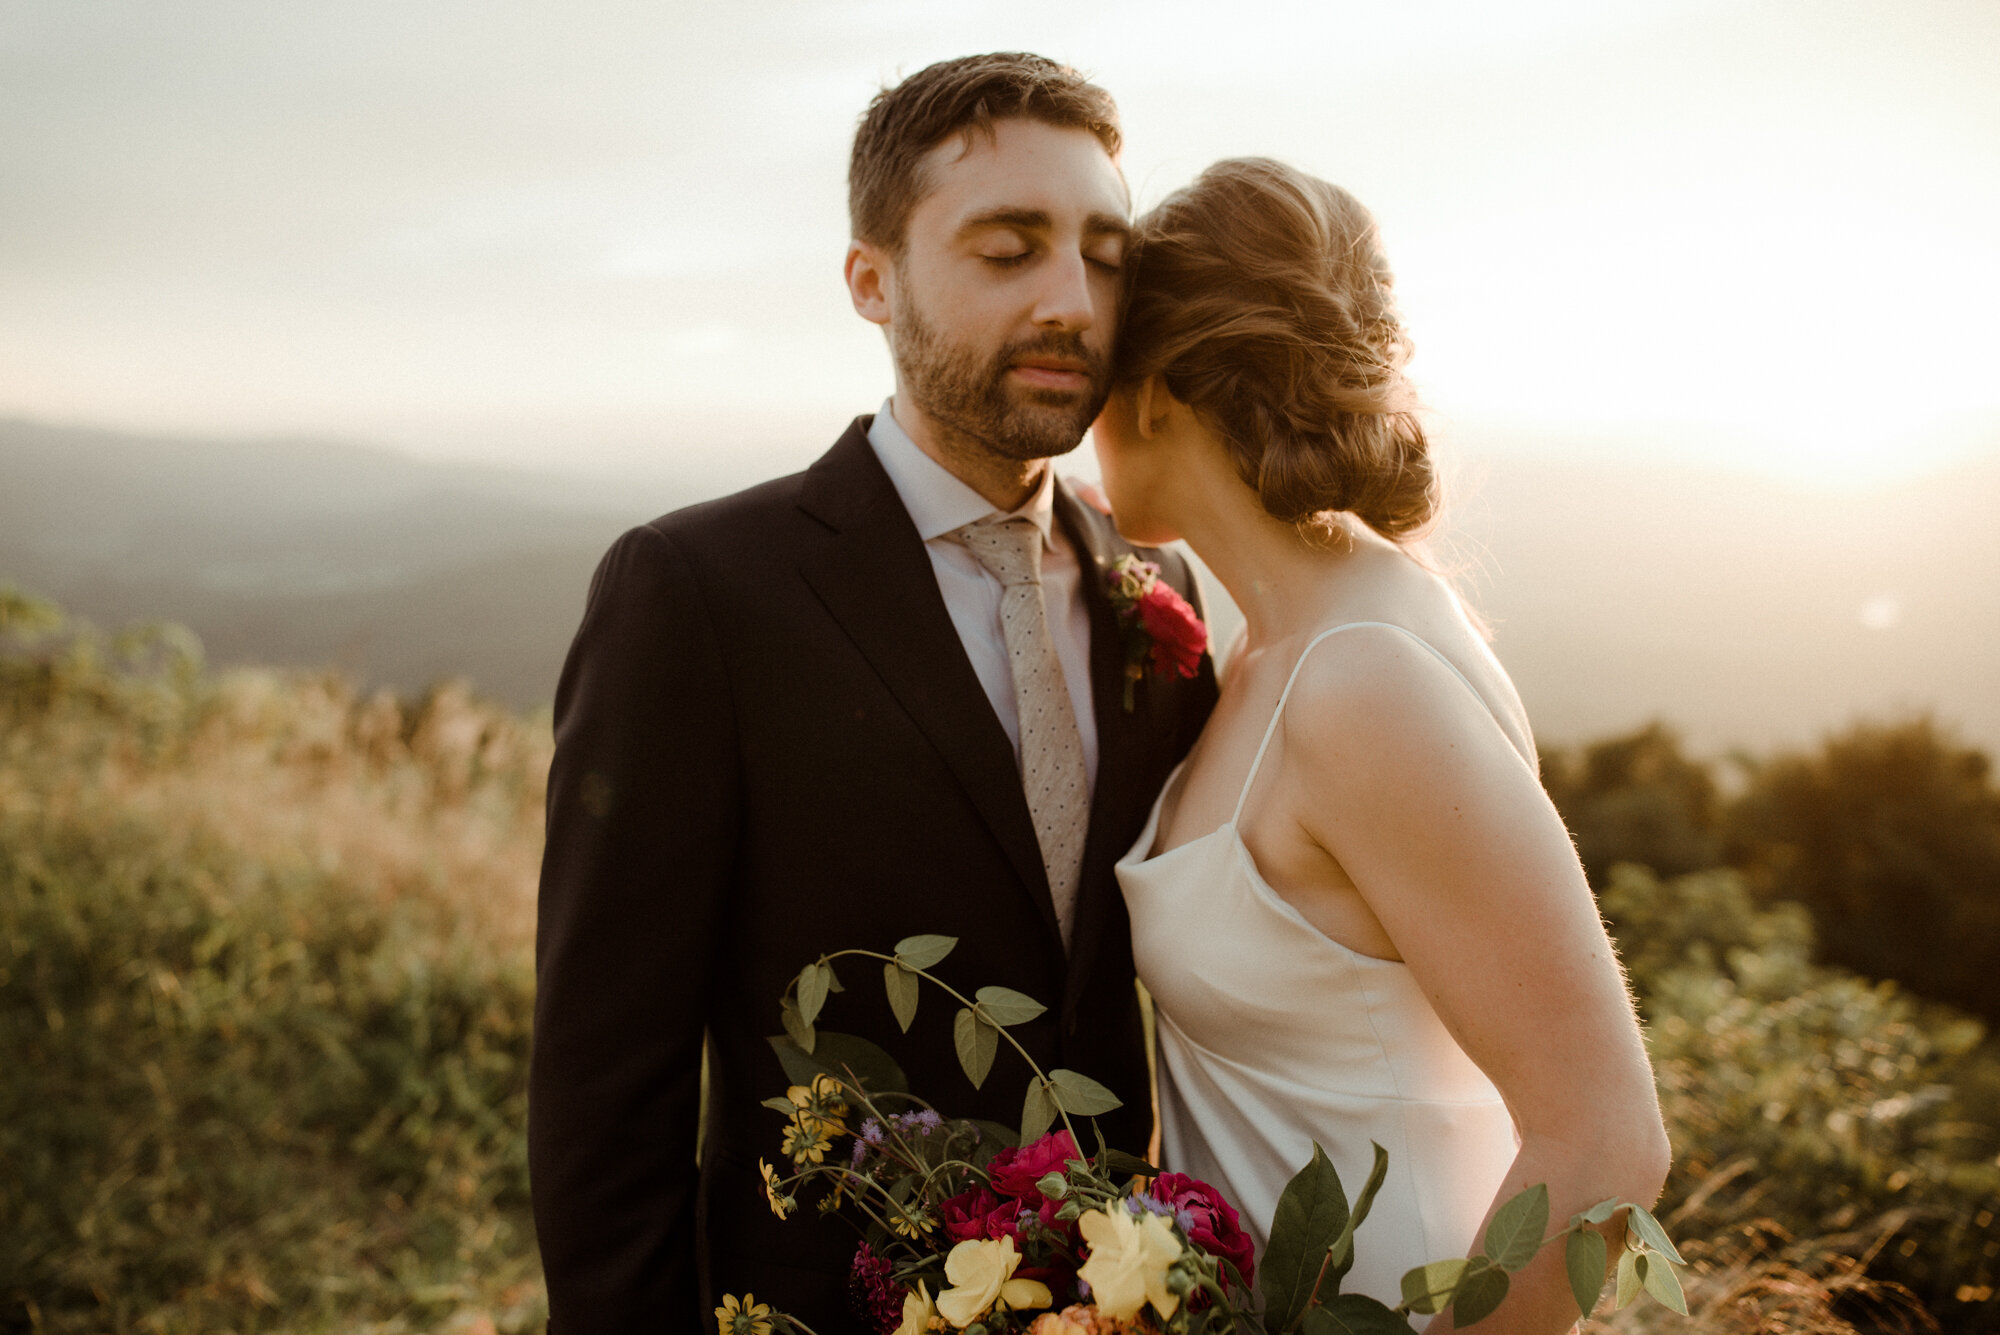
[[1052, 373]]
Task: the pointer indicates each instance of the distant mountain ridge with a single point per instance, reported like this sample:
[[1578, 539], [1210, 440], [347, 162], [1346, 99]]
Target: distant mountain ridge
[[1744, 611], [313, 553]]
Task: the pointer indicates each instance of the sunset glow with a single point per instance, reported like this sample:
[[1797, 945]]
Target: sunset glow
[[1765, 235]]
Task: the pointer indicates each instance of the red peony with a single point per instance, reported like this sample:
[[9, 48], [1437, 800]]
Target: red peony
[[979, 1214], [1211, 1222], [1015, 1172], [1178, 635]]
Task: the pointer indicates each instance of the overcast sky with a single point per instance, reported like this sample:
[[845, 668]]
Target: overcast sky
[[609, 234]]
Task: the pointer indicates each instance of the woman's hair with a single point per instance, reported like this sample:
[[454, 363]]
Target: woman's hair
[[1262, 297]]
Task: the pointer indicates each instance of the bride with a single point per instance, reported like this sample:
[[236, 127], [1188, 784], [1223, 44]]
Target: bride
[[1357, 912]]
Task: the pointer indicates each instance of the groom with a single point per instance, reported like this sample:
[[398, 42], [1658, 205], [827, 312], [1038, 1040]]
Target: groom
[[878, 698]]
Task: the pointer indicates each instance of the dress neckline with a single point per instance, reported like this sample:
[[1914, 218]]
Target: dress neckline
[[1233, 826]]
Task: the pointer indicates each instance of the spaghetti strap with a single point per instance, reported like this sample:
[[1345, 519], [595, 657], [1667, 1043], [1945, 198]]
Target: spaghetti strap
[[1272, 728]]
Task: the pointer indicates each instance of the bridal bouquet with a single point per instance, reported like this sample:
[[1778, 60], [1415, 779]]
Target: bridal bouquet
[[970, 1226]]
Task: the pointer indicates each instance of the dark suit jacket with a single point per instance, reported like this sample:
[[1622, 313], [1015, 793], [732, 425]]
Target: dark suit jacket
[[770, 744]]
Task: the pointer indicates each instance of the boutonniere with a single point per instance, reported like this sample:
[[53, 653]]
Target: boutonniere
[[1162, 633]]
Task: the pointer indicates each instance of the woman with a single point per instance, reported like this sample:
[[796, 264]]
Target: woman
[[1358, 914]]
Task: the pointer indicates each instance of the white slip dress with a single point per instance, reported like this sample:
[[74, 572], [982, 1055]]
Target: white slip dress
[[1273, 1036]]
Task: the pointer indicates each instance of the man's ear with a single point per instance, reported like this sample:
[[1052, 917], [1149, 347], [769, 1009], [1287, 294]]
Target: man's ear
[[871, 281]]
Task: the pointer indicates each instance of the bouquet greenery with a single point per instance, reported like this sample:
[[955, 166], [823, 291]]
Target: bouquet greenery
[[970, 1226]]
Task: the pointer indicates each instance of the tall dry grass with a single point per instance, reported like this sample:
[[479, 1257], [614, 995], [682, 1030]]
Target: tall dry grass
[[265, 985]]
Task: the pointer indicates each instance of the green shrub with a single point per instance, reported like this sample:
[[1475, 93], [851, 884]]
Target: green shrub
[[1890, 834], [1636, 798], [244, 1087], [1861, 1117]]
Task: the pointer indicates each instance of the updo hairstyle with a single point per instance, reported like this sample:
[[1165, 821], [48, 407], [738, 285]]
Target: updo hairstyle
[[1261, 295]]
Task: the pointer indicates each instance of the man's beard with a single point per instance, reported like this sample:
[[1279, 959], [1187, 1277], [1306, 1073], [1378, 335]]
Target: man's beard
[[971, 398]]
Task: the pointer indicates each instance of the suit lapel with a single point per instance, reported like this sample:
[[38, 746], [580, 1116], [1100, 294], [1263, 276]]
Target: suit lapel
[[876, 580]]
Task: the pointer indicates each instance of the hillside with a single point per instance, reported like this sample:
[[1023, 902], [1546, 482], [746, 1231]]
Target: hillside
[[1746, 612]]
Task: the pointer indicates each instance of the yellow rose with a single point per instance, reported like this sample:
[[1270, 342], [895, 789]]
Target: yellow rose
[[981, 1271], [1129, 1260], [918, 1311]]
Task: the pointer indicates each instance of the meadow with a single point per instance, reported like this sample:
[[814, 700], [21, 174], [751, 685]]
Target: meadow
[[266, 981]]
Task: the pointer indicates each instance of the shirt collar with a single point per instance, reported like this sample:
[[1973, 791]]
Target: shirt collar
[[938, 501]]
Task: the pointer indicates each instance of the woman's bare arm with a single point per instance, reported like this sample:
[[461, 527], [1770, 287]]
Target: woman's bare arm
[[1404, 777]]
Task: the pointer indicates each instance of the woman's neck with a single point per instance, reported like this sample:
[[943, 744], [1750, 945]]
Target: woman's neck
[[1280, 580]]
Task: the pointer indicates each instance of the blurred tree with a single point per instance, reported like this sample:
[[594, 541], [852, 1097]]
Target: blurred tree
[[1890, 835], [1637, 798]]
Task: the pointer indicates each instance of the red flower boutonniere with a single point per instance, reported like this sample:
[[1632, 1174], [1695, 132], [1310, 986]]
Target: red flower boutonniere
[[1162, 633]]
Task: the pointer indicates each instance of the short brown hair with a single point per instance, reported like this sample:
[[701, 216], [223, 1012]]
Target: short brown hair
[[952, 97], [1261, 296]]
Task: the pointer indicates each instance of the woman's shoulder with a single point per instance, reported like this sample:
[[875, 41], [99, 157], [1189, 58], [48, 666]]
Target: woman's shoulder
[[1403, 656]]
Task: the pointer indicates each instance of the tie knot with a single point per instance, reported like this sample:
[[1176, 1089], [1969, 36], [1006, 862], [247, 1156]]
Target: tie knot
[[1010, 549]]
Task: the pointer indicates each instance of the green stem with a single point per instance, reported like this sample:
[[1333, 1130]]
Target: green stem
[[969, 1004]]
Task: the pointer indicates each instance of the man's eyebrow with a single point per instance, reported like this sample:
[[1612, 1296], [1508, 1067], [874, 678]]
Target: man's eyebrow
[[1030, 219], [1038, 220], [1107, 224]]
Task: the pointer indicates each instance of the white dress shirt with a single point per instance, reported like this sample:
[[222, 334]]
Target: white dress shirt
[[940, 504]]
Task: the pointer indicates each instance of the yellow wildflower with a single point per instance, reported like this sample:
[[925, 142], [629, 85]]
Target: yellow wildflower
[[820, 1108], [780, 1204], [911, 1221], [981, 1271], [1129, 1260], [805, 1141], [748, 1317]]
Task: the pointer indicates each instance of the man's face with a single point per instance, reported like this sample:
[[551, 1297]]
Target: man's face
[[1004, 301]]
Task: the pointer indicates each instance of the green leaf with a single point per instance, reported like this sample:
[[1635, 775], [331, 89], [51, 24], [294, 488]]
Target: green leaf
[[921, 952], [976, 1041], [796, 1025], [1629, 1277], [1431, 1287], [1081, 1096], [903, 988], [1353, 1314], [1004, 1006], [1661, 1281], [1641, 1221], [832, 981], [1515, 1234], [1310, 1215], [1477, 1296], [813, 980], [1597, 1213], [838, 1055], [1341, 1255], [999, 1134], [1038, 1111], [1585, 1254], [1131, 1165], [783, 1105]]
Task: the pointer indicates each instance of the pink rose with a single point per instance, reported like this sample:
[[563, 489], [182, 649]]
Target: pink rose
[[1211, 1222], [1015, 1172], [1178, 635]]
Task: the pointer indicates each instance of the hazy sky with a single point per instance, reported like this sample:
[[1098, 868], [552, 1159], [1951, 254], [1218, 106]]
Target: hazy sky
[[609, 234]]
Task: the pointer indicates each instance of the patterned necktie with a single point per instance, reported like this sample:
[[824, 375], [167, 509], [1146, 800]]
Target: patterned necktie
[[1052, 771]]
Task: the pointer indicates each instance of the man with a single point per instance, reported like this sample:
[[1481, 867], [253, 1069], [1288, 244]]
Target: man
[[881, 697]]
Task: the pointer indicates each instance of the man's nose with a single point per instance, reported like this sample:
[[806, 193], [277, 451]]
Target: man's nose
[[1064, 300]]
